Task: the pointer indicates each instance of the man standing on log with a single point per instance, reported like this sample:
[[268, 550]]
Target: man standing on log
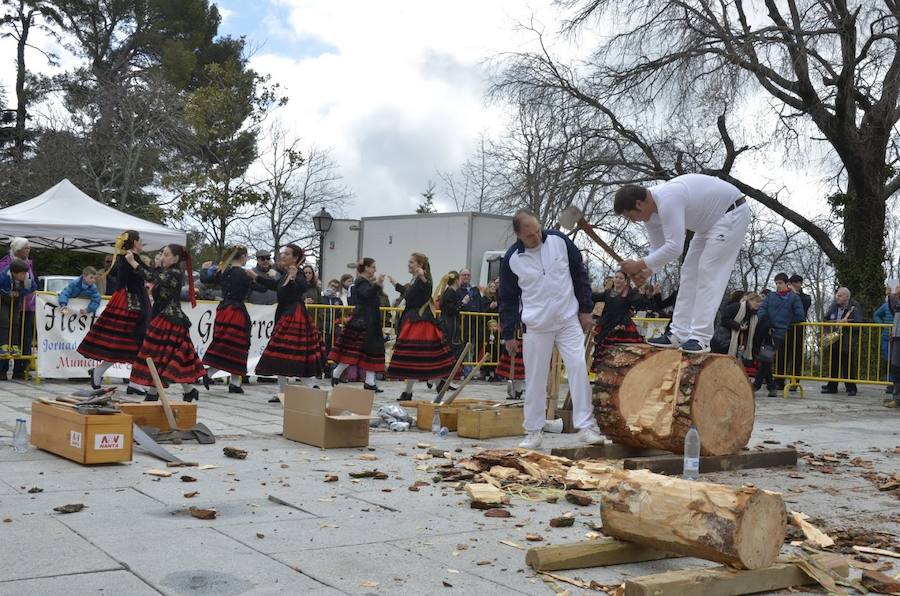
[[544, 282], [718, 215]]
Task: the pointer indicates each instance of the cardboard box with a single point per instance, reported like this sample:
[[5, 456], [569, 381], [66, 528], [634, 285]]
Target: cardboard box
[[84, 438], [152, 414], [315, 417], [478, 422], [425, 412]]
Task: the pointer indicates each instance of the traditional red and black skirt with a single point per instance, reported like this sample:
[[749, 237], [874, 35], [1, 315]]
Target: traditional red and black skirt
[[117, 334], [349, 348], [420, 352], [626, 333], [230, 343], [295, 348], [503, 368], [170, 347]]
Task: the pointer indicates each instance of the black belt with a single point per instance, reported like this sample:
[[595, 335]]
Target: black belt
[[736, 204]]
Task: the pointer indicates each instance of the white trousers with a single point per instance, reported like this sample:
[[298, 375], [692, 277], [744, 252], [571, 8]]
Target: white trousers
[[537, 349], [705, 273]]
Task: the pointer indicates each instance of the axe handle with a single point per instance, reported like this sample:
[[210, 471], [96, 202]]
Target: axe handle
[[587, 229]]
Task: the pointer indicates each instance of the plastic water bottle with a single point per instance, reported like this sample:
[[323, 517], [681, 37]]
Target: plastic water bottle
[[20, 437], [436, 422], [443, 432], [692, 454]]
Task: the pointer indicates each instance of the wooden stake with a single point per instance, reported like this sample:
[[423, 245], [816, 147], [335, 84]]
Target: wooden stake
[[590, 553], [466, 381], [167, 409], [453, 372], [553, 384]]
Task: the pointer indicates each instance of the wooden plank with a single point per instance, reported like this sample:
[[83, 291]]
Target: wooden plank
[[606, 451], [674, 464], [590, 553], [163, 399], [723, 581]]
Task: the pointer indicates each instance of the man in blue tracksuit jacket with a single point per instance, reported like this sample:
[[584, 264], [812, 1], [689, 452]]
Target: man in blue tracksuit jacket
[[544, 283]]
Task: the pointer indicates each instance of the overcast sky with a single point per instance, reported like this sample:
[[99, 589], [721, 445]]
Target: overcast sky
[[395, 87]]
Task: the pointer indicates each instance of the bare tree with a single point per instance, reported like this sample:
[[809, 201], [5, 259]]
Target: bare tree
[[295, 185], [670, 75], [476, 185]]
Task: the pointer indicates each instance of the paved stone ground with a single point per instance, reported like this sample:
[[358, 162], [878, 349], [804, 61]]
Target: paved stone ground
[[368, 537]]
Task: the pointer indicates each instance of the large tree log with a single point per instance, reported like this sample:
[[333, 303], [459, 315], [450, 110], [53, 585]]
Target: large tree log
[[741, 527], [649, 397]]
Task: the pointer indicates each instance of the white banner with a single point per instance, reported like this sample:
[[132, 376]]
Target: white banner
[[58, 335]]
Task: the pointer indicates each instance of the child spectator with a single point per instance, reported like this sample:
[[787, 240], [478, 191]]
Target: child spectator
[[82, 287], [15, 285]]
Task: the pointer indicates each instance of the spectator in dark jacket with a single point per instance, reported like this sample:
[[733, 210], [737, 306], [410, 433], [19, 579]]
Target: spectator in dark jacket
[[841, 352], [264, 267], [16, 285], [781, 309], [738, 323]]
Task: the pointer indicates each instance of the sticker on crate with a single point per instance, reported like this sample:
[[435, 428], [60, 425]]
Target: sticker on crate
[[109, 441], [75, 439]]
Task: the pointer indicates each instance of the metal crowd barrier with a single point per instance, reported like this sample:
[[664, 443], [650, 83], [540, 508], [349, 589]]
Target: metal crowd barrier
[[18, 334], [835, 352]]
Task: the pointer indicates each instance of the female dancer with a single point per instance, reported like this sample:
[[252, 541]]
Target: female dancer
[[168, 341], [117, 335], [615, 325], [295, 348], [420, 352], [361, 342], [230, 343]]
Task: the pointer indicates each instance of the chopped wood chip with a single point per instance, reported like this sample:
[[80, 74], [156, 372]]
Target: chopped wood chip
[[879, 582], [579, 498], [367, 457], [365, 474], [191, 494], [160, 473], [497, 512], [462, 547], [484, 493], [203, 513], [235, 453], [534, 538], [186, 478], [423, 456], [812, 533], [369, 584], [513, 544], [330, 478], [446, 584], [568, 580], [423, 445], [484, 562], [876, 551], [207, 467], [73, 508], [562, 522]]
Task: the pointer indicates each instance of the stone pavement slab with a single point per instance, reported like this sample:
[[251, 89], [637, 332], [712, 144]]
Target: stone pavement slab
[[100, 582], [44, 547]]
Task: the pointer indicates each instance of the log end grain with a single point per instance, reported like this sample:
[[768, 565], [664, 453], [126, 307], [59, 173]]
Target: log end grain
[[764, 517]]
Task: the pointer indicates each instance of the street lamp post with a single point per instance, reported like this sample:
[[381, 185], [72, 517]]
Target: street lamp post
[[322, 223]]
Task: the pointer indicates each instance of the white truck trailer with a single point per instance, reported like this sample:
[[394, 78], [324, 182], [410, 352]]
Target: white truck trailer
[[451, 241]]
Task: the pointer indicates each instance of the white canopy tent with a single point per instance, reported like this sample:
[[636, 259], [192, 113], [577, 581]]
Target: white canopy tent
[[65, 217]]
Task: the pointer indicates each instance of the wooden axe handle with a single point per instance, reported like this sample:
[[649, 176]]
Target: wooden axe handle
[[587, 229]]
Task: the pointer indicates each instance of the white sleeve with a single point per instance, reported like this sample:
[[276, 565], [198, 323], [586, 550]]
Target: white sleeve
[[667, 240]]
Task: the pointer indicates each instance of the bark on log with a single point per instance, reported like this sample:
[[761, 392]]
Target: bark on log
[[741, 527], [649, 397]]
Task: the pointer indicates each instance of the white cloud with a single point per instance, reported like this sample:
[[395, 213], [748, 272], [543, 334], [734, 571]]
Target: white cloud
[[398, 90]]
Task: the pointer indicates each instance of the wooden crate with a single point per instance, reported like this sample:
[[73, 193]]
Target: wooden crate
[[425, 412], [83, 438], [152, 414], [484, 423]]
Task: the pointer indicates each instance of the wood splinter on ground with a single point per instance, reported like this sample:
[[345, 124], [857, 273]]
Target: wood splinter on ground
[[485, 493], [235, 453]]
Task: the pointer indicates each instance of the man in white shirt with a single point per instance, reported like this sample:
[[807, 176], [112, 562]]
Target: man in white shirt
[[718, 214], [544, 284]]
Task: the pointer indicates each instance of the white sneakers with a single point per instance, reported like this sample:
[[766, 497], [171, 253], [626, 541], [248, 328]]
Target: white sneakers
[[589, 434], [532, 440]]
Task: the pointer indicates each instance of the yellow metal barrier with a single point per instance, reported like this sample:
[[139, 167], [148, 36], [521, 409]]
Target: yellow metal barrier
[[835, 353], [18, 334]]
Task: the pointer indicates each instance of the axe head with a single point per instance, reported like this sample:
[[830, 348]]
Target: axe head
[[569, 218]]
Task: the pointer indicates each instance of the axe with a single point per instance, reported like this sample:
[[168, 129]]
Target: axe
[[572, 218]]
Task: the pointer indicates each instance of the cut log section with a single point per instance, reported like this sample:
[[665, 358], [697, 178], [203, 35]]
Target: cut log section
[[590, 553], [741, 527], [648, 397]]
